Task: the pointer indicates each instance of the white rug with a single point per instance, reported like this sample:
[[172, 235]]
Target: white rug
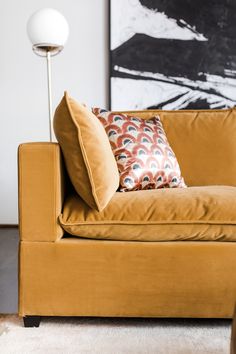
[[115, 336]]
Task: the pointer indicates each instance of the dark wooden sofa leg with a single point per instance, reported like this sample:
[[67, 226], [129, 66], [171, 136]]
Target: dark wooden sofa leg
[[32, 321]]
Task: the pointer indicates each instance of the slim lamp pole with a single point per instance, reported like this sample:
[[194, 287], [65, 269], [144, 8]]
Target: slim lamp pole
[[49, 81]]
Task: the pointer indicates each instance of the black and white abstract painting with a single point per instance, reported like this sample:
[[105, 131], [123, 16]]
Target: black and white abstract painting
[[172, 54]]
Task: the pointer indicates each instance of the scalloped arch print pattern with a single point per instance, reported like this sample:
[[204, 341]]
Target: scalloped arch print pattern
[[144, 157]]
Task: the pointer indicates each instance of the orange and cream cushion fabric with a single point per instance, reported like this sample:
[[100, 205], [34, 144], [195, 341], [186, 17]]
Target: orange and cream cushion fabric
[[144, 157]]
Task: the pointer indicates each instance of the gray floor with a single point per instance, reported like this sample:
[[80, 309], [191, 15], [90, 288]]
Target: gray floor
[[8, 270]]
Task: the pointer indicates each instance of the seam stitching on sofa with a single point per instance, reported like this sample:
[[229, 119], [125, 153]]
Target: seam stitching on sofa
[[217, 222], [177, 111]]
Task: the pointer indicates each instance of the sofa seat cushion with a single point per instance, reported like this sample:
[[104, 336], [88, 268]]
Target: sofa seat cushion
[[194, 213]]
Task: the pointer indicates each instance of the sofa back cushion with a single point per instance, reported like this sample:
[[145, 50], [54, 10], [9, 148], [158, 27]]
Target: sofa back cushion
[[87, 152], [204, 142]]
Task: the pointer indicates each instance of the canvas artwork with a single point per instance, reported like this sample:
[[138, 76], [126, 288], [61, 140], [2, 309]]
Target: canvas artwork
[[169, 54]]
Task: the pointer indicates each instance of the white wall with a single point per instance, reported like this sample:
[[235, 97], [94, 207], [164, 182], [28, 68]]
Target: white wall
[[81, 69]]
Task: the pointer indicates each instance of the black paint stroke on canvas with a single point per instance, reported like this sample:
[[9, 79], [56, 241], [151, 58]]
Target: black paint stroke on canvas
[[185, 62]]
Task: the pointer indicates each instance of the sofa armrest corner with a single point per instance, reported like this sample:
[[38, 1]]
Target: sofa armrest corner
[[41, 191]]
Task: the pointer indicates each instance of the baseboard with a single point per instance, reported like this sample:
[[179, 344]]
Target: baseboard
[[4, 226]]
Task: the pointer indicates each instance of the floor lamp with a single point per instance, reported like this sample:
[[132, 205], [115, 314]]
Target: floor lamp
[[48, 31]]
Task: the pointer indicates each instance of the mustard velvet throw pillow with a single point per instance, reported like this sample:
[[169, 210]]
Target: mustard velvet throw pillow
[[144, 157], [87, 153]]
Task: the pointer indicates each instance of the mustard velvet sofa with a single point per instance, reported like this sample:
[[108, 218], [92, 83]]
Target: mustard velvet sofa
[[162, 253]]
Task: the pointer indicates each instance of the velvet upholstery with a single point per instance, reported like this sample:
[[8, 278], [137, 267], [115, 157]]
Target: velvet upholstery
[[88, 156], [62, 275], [74, 277], [169, 214], [203, 141], [41, 191]]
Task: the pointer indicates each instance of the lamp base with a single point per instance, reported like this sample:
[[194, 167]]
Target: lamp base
[[42, 49]]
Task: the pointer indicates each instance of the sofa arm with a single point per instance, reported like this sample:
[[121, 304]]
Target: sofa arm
[[41, 191]]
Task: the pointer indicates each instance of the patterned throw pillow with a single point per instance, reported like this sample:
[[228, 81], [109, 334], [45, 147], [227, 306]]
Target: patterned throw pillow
[[144, 157]]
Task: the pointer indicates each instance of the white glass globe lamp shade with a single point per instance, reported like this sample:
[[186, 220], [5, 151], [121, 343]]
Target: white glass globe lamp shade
[[48, 31]]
